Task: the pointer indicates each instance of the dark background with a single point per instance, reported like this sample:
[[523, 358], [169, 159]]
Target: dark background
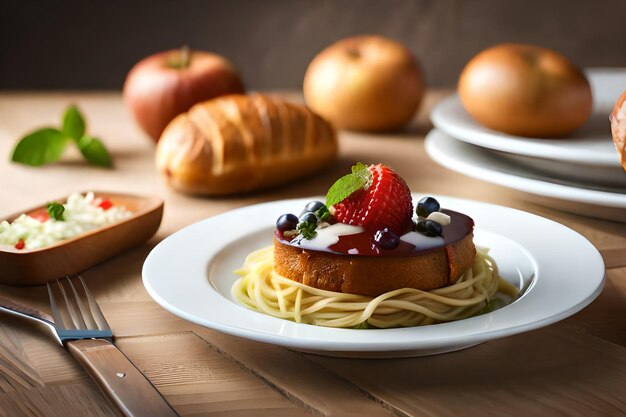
[[92, 45]]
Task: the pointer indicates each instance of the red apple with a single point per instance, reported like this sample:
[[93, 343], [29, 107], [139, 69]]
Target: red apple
[[163, 85], [366, 83]]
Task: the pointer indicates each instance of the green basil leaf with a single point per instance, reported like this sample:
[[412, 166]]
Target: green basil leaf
[[56, 210], [94, 151], [73, 123], [40, 147]]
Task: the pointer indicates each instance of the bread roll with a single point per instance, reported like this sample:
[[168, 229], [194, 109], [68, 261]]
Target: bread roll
[[239, 143], [618, 128]]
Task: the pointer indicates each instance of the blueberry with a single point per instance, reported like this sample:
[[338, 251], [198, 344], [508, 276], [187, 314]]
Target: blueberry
[[313, 206], [308, 218], [426, 206], [420, 226], [386, 239], [432, 228], [287, 222]]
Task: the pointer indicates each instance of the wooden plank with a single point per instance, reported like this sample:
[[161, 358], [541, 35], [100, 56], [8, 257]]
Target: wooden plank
[[66, 400], [323, 390], [148, 318], [606, 316], [550, 372], [303, 380], [614, 258], [15, 368], [31, 348], [39, 378], [52, 362], [197, 380]]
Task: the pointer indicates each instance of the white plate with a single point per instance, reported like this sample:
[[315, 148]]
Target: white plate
[[480, 163], [589, 145], [589, 176], [190, 274]]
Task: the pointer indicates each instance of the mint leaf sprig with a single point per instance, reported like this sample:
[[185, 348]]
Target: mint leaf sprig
[[359, 179], [46, 145]]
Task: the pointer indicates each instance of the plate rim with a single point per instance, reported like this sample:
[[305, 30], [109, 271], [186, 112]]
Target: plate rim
[[541, 187], [479, 135]]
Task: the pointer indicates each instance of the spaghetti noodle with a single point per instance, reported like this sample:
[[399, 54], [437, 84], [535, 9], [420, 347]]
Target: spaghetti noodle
[[262, 289]]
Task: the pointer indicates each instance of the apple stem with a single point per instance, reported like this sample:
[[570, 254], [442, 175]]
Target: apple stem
[[181, 59], [185, 56]]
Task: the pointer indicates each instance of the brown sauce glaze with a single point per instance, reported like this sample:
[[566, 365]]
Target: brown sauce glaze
[[362, 244]]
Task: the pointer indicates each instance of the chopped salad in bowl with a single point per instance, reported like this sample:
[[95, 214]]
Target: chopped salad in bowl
[[57, 222]]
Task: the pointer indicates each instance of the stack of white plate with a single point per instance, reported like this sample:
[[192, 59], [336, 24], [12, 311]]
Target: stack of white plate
[[580, 174]]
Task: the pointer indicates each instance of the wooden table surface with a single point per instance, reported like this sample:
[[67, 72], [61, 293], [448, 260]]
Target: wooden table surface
[[575, 367]]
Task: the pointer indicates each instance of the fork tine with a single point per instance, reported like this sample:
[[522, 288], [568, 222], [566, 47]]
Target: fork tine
[[85, 313], [71, 308], [95, 308], [58, 320]]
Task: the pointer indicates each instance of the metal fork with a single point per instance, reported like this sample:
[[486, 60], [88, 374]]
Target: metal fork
[[79, 313], [80, 326]]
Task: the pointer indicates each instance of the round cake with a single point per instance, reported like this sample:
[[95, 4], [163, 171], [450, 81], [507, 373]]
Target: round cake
[[365, 240], [354, 263]]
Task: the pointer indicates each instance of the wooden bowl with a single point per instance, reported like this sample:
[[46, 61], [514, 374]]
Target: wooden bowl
[[74, 255]]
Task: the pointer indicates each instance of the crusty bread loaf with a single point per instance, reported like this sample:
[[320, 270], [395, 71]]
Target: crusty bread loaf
[[239, 143], [618, 128], [374, 275]]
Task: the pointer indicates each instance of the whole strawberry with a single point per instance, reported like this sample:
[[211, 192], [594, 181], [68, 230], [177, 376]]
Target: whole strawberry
[[373, 197]]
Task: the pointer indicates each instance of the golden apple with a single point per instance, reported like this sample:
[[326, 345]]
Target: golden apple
[[366, 83]]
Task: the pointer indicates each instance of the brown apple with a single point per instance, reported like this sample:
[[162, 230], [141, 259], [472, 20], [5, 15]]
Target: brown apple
[[163, 85], [366, 83], [525, 90]]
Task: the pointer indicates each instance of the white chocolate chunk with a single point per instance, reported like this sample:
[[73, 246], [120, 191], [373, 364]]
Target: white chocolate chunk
[[422, 241], [438, 217], [328, 236]]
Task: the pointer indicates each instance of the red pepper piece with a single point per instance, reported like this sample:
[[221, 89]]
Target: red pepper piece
[[20, 244], [105, 204], [42, 217]]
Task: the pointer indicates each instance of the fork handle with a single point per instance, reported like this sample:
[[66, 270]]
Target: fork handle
[[119, 379]]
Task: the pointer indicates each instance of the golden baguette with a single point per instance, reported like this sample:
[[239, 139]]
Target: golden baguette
[[239, 143]]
